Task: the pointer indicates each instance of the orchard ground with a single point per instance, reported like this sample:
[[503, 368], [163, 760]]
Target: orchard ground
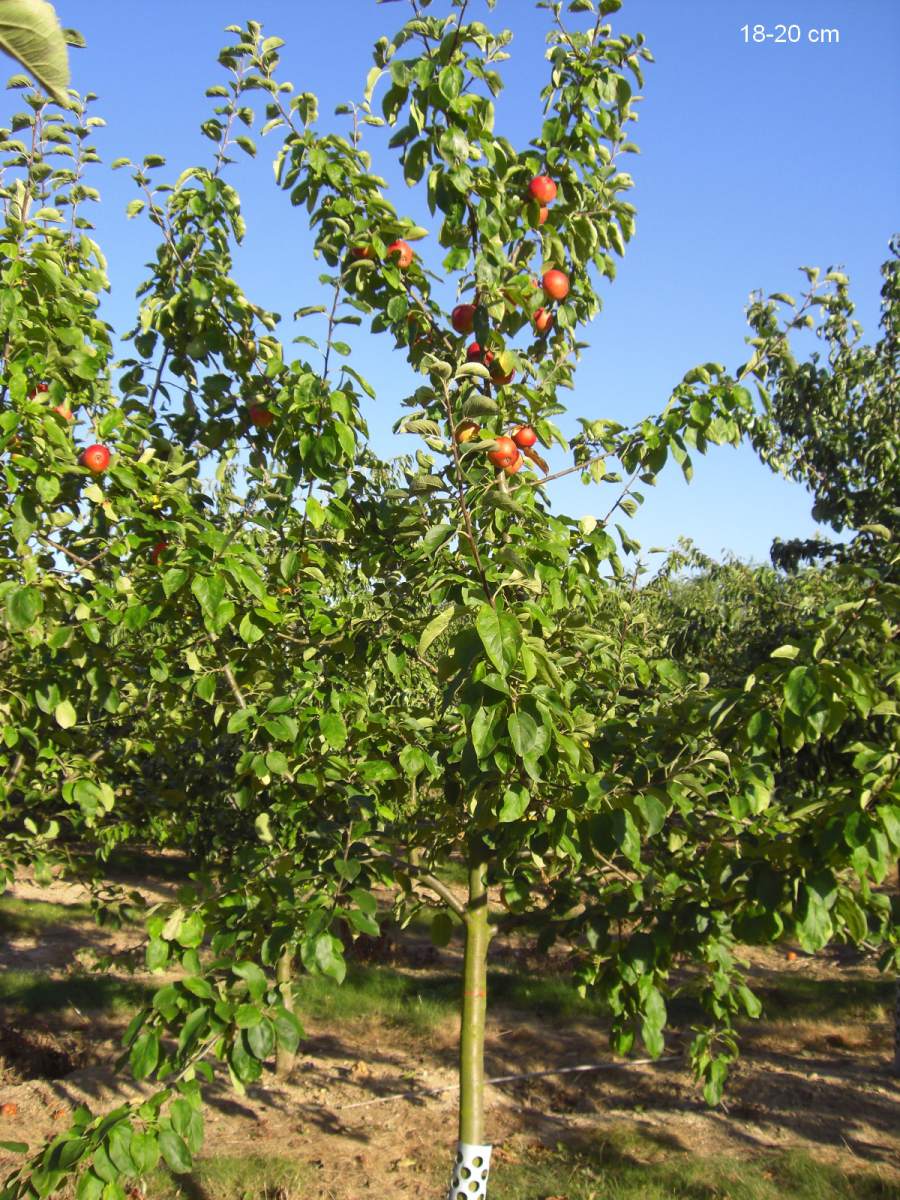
[[811, 1110]]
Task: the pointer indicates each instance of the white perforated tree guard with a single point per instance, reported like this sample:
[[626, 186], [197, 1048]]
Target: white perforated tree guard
[[470, 1172]]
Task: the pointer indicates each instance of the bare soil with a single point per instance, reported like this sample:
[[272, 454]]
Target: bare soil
[[821, 1086]]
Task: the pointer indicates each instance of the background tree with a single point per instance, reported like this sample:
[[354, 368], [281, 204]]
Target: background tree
[[832, 425]]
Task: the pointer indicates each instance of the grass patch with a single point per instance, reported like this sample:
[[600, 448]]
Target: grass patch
[[417, 1003], [554, 997], [797, 997], [31, 917], [127, 863], [454, 872], [420, 1002], [249, 1177], [36, 992], [622, 1165], [627, 1165]]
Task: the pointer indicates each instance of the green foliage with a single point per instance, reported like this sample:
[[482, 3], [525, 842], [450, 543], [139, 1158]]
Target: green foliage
[[832, 424]]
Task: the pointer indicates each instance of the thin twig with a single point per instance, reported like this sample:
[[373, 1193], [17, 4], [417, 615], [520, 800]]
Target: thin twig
[[233, 684]]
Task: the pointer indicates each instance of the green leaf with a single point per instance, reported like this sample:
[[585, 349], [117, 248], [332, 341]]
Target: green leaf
[[654, 1014], [253, 977], [801, 690], [261, 1039], [173, 579], [625, 834], [282, 728], [198, 986], [247, 1015], [787, 651], [145, 1054], [210, 593], [654, 813], [814, 927], [324, 954], [333, 729], [716, 1074], [191, 1030], [501, 636], [413, 761], [277, 763], [436, 626], [526, 737], [48, 486], [191, 930], [65, 715], [249, 631], [751, 1002], [90, 1187], [181, 1114], [288, 1030], [175, 1152], [450, 82], [377, 771], [515, 803], [853, 917], [31, 34], [157, 954], [240, 719], [482, 731], [436, 537], [23, 606], [118, 1149]]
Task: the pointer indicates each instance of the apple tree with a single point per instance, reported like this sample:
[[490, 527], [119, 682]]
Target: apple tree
[[348, 673]]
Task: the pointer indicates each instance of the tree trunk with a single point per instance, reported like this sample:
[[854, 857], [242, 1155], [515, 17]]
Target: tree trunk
[[473, 1157], [284, 973]]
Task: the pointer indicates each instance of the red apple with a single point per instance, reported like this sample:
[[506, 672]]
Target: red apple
[[362, 251], [524, 437], [403, 251], [463, 318], [543, 189], [515, 466], [96, 459], [473, 354], [505, 454], [157, 552], [542, 319], [543, 214], [260, 416], [63, 410], [556, 284]]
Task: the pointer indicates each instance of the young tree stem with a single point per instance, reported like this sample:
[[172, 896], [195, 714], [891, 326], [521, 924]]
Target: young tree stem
[[474, 1003], [284, 974]]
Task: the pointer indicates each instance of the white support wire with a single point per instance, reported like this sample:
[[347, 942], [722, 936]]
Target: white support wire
[[452, 1087]]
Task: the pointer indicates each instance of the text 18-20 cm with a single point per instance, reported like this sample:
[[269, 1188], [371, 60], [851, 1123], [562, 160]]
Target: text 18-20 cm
[[790, 35]]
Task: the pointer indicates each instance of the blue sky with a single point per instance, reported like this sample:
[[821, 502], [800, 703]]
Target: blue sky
[[755, 159]]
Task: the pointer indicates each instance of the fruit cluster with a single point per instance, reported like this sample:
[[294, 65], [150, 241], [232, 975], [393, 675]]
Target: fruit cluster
[[505, 454], [555, 284]]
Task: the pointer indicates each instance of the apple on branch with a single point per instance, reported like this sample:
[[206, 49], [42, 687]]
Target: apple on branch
[[96, 458]]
